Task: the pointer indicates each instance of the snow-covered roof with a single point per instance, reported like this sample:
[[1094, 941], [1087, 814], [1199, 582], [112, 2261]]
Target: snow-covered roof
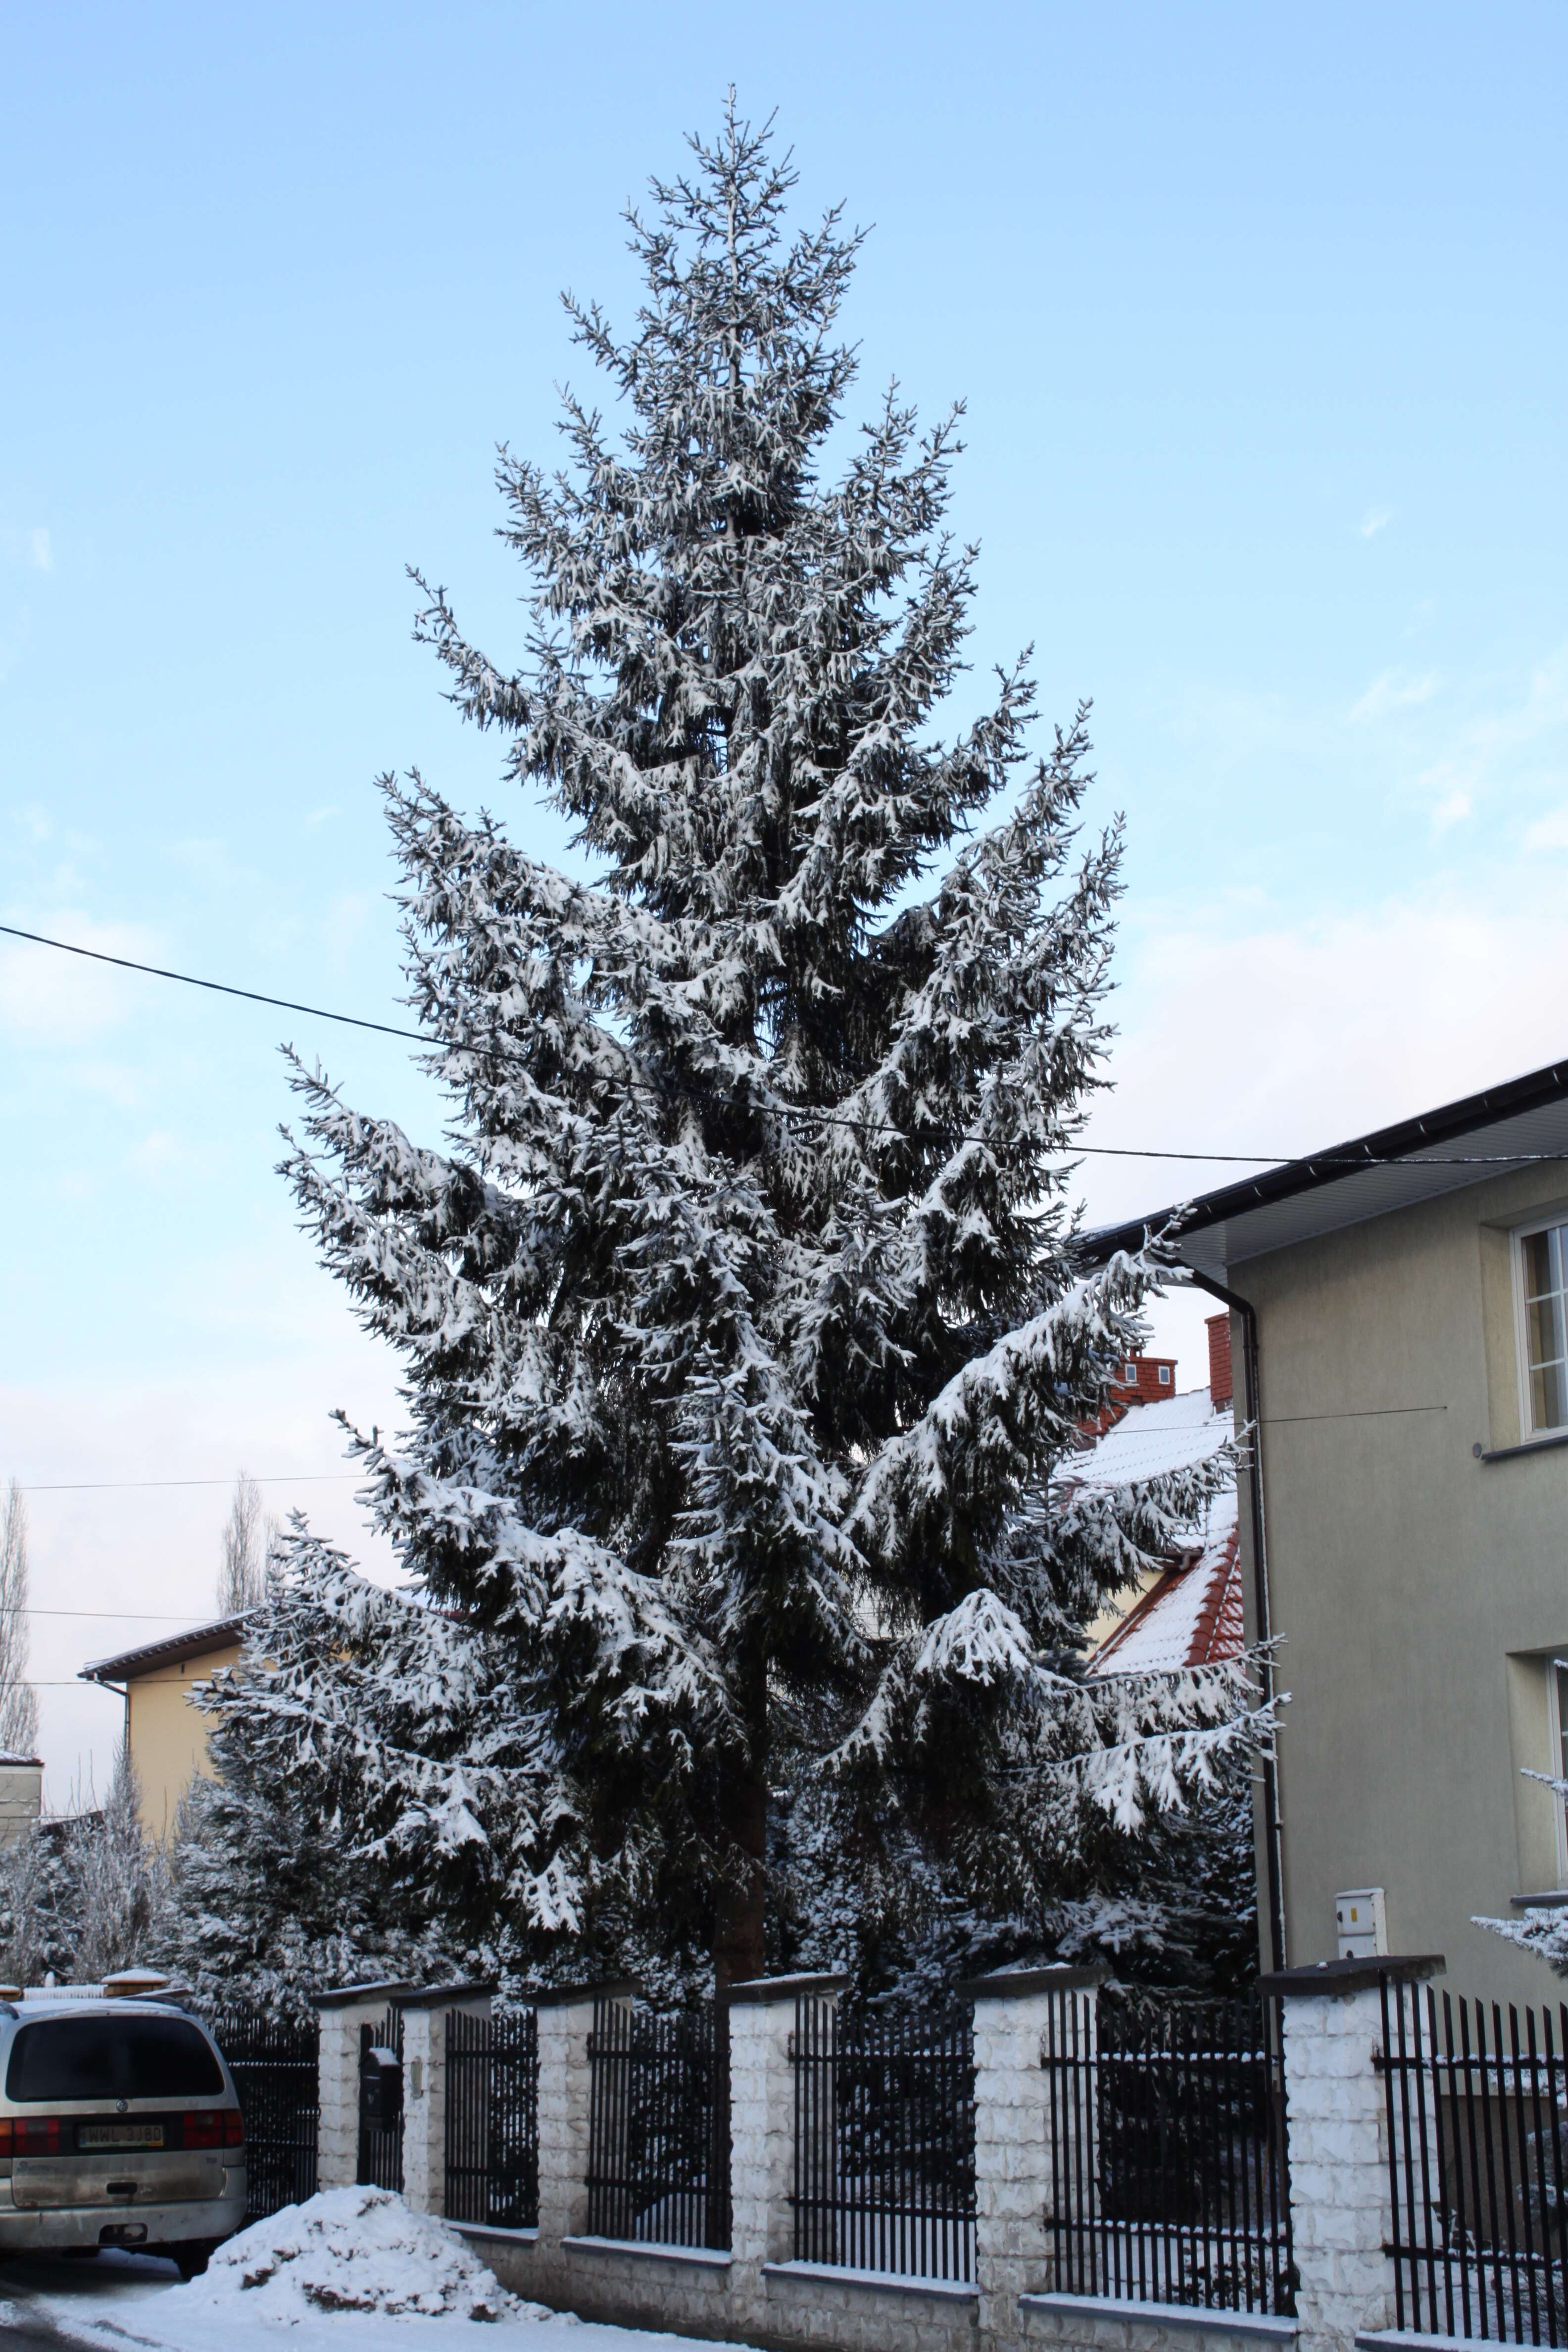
[[222, 1634], [1149, 1438], [1192, 1613]]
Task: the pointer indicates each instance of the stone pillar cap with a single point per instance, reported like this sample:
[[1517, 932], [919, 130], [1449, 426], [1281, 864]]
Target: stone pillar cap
[[604, 1989], [344, 1996], [782, 1987], [1340, 1977], [432, 1996], [1012, 1984]]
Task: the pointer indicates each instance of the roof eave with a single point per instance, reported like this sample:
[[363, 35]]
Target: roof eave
[[1383, 1147]]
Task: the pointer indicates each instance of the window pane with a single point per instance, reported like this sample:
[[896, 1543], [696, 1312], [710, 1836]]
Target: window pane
[[1537, 1264], [112, 2057], [1563, 1722], [1545, 1330], [1548, 1397]]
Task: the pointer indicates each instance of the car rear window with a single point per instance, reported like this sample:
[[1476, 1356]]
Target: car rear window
[[111, 2058]]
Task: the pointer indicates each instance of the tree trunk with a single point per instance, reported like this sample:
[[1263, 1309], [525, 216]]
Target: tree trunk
[[740, 1917]]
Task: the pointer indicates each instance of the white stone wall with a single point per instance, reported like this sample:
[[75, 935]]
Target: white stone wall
[[1013, 2187], [756, 2291], [1073, 2322], [425, 2093], [337, 2133], [564, 2027], [1337, 2113]]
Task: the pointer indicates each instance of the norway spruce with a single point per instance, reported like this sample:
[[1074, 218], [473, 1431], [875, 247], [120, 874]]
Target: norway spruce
[[746, 1348]]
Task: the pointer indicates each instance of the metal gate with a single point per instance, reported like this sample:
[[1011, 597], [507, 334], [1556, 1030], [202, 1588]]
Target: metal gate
[[381, 2149], [275, 2072], [492, 2119]]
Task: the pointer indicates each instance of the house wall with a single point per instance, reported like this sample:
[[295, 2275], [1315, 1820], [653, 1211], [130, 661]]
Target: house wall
[[21, 1791], [1417, 1591], [168, 1734]]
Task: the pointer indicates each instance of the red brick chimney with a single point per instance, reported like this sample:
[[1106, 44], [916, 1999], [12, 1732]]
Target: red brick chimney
[[1144, 1379], [1221, 1386]]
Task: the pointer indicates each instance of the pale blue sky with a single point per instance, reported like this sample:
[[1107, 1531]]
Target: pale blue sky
[[1259, 317]]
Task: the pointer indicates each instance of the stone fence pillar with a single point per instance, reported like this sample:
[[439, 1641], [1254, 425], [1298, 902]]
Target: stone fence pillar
[[424, 2018], [762, 2132], [1014, 2187], [1336, 2112], [565, 2017], [342, 2014]]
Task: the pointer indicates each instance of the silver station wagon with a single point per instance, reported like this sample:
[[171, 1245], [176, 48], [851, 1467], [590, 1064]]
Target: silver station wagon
[[119, 2127]]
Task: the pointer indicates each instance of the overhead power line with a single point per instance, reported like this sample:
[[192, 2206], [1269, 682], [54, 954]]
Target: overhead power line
[[787, 1110], [124, 1485]]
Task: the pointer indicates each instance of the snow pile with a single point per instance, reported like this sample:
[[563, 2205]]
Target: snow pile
[[354, 2250]]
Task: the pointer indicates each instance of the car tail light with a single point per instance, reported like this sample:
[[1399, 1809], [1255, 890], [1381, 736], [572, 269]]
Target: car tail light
[[233, 2127], [29, 2136], [202, 2127]]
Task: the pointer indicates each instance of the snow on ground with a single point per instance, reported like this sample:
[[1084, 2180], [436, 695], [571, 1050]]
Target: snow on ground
[[352, 2269]]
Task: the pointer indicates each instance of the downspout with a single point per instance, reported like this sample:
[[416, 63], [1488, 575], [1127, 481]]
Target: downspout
[[1273, 1846]]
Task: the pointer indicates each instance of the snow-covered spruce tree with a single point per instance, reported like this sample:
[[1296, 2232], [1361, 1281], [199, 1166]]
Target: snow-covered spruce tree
[[741, 1314]]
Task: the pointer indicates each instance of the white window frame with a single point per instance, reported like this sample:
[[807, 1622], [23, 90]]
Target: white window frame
[[1556, 1767], [1528, 1433]]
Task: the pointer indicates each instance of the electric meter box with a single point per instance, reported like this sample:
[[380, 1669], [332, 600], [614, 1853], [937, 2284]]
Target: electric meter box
[[1362, 1920]]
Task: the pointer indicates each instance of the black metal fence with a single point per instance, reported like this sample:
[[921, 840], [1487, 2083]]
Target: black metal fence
[[1478, 2136], [492, 2120], [275, 2072], [658, 2128], [884, 2140], [1170, 2168], [381, 2145]]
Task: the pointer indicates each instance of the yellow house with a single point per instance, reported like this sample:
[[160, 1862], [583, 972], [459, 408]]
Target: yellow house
[[167, 1734]]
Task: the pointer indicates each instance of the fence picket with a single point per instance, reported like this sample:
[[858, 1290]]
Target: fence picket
[[275, 2070], [1487, 2104], [1169, 2152], [658, 2125], [884, 2170]]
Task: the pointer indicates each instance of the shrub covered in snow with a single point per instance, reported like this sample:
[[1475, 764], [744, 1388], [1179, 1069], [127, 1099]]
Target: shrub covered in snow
[[355, 2250]]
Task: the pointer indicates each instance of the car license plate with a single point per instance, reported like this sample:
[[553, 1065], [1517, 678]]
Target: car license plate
[[119, 2136]]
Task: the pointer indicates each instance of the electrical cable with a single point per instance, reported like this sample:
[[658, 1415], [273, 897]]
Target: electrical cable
[[127, 1485], [804, 1110]]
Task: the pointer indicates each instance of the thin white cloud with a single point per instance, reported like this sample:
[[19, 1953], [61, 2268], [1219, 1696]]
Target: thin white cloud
[[1274, 1039], [1394, 690], [41, 550], [1375, 519], [1548, 833], [48, 998], [321, 816], [1450, 811]]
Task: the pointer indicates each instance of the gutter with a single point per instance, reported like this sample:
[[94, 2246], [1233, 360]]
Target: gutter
[[1273, 1844]]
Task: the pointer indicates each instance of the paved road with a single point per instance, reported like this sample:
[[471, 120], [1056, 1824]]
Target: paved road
[[82, 2284]]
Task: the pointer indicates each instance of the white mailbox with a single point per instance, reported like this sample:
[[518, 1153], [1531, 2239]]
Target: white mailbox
[[1363, 1923]]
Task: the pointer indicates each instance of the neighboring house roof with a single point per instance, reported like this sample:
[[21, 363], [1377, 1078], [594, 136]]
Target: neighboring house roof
[[198, 1642], [1391, 1167], [13, 1758], [1192, 1614]]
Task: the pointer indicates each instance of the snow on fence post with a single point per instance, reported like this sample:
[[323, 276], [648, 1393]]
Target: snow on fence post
[[565, 2018], [342, 2014], [1337, 2119], [762, 2132], [424, 2018], [1014, 2183]]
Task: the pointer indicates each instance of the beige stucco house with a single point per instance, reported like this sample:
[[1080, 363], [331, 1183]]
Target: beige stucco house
[[167, 1732], [1400, 1315]]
